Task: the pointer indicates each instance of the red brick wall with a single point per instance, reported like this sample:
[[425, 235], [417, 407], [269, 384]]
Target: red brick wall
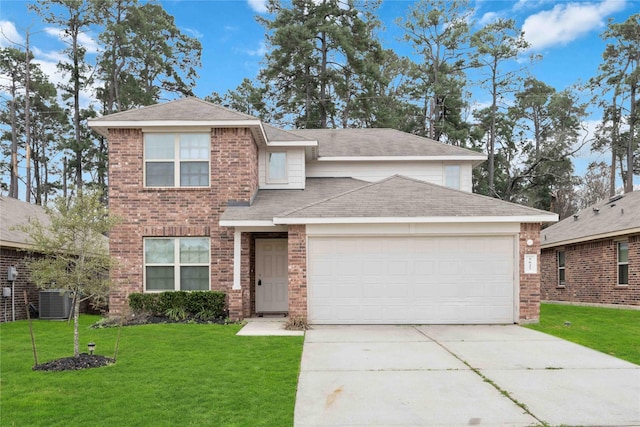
[[591, 273], [297, 271], [529, 283], [10, 256], [179, 212]]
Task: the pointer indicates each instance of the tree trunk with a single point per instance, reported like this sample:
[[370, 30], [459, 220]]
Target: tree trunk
[[76, 322], [13, 186], [492, 132], [630, 143], [27, 120]]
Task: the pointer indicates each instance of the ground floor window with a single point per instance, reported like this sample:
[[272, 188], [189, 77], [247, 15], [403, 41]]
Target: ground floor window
[[172, 264], [623, 263], [561, 268]]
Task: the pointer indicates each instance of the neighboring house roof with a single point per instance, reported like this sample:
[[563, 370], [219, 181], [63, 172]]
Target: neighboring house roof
[[382, 142], [14, 212], [394, 199], [617, 216]]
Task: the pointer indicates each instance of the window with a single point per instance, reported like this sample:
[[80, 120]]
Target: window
[[173, 264], [277, 167], [176, 160], [452, 176], [561, 269], [623, 263]]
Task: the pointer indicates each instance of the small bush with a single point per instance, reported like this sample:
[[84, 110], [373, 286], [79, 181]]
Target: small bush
[[179, 305], [297, 323]]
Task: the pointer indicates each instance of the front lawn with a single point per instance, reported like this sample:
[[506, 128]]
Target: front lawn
[[610, 330], [165, 375]]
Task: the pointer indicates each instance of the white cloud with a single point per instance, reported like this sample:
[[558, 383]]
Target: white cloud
[[259, 6], [488, 18], [9, 34], [567, 22], [260, 51], [84, 39]]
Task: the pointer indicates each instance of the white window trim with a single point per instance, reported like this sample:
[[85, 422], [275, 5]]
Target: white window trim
[[176, 263], [618, 263], [176, 161], [284, 180]]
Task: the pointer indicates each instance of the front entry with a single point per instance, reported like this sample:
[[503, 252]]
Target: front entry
[[271, 276]]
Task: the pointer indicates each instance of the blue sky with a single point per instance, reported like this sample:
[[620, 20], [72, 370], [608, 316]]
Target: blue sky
[[565, 33]]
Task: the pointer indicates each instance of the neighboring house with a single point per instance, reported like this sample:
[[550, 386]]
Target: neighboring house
[[338, 226], [14, 245], [594, 256]]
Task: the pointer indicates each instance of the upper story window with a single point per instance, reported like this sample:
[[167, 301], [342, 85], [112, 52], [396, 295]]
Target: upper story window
[[174, 264], [561, 268], [276, 167], [452, 176], [623, 263], [176, 160]]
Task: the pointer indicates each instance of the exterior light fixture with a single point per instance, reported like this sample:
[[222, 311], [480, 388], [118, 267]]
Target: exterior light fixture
[[92, 347]]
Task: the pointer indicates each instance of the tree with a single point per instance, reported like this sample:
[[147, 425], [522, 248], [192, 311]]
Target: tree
[[621, 71], [439, 33], [594, 186], [495, 44], [323, 53], [74, 17], [72, 251]]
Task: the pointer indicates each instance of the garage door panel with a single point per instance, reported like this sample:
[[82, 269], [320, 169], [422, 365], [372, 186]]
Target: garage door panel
[[411, 279]]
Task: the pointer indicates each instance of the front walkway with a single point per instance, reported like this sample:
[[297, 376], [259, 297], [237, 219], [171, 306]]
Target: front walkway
[[267, 326], [459, 376]]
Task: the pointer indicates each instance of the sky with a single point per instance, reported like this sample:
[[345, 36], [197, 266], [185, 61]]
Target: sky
[[565, 33]]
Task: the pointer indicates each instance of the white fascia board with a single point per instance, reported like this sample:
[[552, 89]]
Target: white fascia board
[[14, 245], [431, 219], [246, 223], [292, 143], [588, 238], [402, 158]]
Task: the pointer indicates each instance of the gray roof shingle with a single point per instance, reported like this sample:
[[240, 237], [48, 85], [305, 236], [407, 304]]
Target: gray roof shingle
[[394, 197], [618, 216], [376, 142], [186, 109], [14, 212]]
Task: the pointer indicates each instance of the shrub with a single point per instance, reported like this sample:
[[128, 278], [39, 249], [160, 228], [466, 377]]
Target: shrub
[[178, 305], [297, 323]]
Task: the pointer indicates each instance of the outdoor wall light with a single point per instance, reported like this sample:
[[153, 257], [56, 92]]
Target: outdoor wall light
[[92, 347]]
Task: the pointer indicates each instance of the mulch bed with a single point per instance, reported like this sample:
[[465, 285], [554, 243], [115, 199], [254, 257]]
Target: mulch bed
[[83, 361]]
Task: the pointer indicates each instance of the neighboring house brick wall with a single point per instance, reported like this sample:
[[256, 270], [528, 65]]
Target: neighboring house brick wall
[[529, 283], [10, 256], [297, 271], [177, 212], [591, 273]]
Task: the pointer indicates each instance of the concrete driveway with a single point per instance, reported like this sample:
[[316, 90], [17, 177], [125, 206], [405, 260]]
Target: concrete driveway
[[460, 376]]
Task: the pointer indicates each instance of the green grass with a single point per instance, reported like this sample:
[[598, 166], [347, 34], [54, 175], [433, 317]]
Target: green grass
[[609, 330], [165, 375]]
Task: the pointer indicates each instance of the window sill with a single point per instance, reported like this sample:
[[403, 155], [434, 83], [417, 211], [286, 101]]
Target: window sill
[[561, 286], [619, 286]]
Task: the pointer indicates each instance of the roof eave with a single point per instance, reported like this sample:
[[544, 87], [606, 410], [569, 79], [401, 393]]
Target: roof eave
[[419, 220], [600, 236], [474, 159], [103, 126]]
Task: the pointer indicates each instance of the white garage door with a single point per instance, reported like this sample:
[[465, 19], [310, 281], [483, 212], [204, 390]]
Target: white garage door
[[419, 280]]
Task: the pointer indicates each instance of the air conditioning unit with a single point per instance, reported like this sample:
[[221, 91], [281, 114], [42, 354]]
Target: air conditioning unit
[[55, 304]]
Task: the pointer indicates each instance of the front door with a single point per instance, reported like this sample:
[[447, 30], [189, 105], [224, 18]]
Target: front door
[[271, 276]]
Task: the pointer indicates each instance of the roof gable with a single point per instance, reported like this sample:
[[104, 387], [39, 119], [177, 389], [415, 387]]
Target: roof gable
[[402, 197], [185, 109], [616, 216]]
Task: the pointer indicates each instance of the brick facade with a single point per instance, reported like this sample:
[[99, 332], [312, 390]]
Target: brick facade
[[529, 283], [178, 212], [11, 256], [591, 273], [297, 271]]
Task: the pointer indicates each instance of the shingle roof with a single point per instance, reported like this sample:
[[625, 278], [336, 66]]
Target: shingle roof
[[14, 212], [185, 109], [270, 203], [379, 142], [276, 134], [609, 217], [394, 197]]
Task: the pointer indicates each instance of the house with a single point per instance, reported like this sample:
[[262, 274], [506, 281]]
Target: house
[[13, 252], [338, 226], [594, 256]]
